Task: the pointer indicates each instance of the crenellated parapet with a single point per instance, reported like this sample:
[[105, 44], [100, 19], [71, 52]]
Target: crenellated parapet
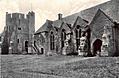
[[19, 30], [19, 15]]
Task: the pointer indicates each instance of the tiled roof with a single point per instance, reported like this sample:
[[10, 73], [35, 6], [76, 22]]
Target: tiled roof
[[81, 22], [109, 8], [45, 27], [57, 23], [101, 12]]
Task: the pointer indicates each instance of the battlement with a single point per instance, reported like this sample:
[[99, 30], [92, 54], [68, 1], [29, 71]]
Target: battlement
[[19, 15], [30, 14]]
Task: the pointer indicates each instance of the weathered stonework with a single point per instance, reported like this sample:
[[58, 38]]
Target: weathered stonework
[[67, 31], [19, 33]]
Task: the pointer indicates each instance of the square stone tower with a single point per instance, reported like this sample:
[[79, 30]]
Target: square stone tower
[[19, 33]]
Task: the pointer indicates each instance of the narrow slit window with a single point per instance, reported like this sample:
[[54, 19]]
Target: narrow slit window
[[17, 40]]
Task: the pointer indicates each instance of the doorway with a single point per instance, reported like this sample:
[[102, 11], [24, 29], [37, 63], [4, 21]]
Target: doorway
[[26, 46], [42, 50], [97, 46]]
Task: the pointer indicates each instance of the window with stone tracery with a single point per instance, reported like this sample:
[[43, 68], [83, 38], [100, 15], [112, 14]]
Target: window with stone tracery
[[52, 41], [78, 36], [63, 37]]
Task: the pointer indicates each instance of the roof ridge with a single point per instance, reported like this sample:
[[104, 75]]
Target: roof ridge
[[97, 13], [107, 16]]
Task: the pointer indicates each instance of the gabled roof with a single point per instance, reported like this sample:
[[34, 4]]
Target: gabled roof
[[70, 20], [81, 22], [45, 27], [106, 15], [65, 26], [57, 23], [109, 7], [98, 14], [88, 14], [99, 21]]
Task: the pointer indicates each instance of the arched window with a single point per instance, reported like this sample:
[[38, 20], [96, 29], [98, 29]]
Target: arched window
[[52, 41], [78, 36], [78, 32], [63, 37]]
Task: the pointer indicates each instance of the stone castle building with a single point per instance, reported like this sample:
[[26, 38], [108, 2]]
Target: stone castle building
[[91, 32], [18, 33]]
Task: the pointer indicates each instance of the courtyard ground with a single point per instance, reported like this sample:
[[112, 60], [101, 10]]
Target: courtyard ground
[[39, 66]]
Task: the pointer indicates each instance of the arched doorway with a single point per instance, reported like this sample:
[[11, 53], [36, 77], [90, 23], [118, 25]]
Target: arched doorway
[[26, 46], [63, 37], [97, 46]]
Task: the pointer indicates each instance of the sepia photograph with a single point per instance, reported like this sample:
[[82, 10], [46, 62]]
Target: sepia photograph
[[59, 38]]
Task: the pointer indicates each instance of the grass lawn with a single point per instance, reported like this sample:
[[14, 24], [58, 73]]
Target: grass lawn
[[39, 66]]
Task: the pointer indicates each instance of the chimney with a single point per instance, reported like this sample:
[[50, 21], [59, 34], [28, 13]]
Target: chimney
[[59, 16]]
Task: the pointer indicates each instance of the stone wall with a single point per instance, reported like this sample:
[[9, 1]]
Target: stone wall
[[20, 29], [97, 29]]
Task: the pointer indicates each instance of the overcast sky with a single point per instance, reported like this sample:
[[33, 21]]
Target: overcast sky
[[44, 9]]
